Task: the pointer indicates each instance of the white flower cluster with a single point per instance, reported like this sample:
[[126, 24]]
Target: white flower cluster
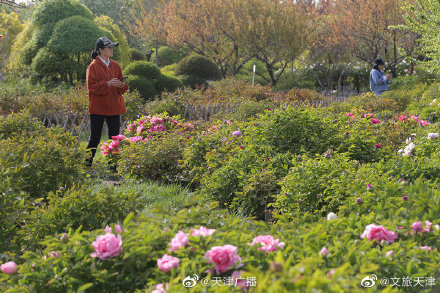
[[433, 135]]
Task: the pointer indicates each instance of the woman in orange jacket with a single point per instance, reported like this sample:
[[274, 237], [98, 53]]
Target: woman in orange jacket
[[105, 85]]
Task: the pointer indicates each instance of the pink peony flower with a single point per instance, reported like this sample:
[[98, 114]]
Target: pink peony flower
[[108, 229], [377, 232], [113, 144], [402, 118], [160, 289], [378, 146], [107, 246], [9, 267], [167, 262], [54, 254], [267, 242], [324, 252], [135, 139], [349, 114], [375, 121], [417, 227], [389, 253], [156, 120], [224, 257], [118, 229], [140, 129], [179, 240], [202, 231], [428, 248], [119, 137]]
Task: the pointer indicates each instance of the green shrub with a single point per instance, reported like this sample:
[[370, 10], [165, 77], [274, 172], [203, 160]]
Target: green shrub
[[244, 111], [19, 123], [134, 104], [320, 184], [144, 86], [168, 83], [156, 159], [14, 206], [173, 108], [192, 81], [89, 207], [40, 163], [169, 69], [167, 56], [143, 68], [136, 55], [198, 66]]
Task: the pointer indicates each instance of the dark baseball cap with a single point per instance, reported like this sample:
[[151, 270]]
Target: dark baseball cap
[[379, 61], [104, 42]]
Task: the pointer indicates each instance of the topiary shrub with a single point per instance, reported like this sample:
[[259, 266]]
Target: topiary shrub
[[168, 83], [143, 68], [199, 66], [143, 85], [137, 55], [192, 81], [167, 56]]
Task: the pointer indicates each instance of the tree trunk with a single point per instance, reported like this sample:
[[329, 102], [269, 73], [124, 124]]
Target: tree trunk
[[157, 53]]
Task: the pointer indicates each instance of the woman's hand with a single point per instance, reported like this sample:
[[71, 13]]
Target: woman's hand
[[115, 83]]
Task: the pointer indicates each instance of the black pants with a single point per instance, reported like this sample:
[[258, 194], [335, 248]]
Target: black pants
[[96, 123]]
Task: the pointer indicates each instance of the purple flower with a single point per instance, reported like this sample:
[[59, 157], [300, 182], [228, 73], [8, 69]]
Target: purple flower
[[404, 197], [236, 133], [359, 200]]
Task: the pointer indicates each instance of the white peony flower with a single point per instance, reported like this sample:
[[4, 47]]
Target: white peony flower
[[433, 135], [332, 216], [408, 140]]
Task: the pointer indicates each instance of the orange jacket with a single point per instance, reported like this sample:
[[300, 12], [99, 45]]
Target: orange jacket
[[105, 100]]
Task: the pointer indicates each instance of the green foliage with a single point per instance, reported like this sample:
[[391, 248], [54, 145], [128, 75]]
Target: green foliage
[[244, 111], [136, 55], [21, 123], [168, 83], [90, 207], [41, 162], [14, 207], [142, 85], [52, 11], [155, 159], [173, 108], [167, 56], [169, 69], [75, 34], [143, 68], [198, 66], [192, 81], [49, 63]]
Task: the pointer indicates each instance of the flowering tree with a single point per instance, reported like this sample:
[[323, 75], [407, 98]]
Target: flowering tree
[[366, 29]]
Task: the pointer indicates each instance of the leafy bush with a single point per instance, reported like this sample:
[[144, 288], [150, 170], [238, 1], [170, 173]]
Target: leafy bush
[[142, 85], [40, 163], [145, 69], [14, 206], [244, 111], [89, 207], [168, 83], [169, 69], [173, 108], [192, 81], [167, 56], [199, 66], [136, 55], [18, 123]]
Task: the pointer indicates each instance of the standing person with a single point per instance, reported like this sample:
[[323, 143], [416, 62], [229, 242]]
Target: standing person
[[378, 80], [105, 94]]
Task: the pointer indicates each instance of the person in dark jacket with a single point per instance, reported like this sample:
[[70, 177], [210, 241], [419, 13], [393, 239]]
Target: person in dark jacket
[[105, 87], [378, 80]]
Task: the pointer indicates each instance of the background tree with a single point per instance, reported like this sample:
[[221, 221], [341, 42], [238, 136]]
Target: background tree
[[365, 28], [423, 17], [10, 27]]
